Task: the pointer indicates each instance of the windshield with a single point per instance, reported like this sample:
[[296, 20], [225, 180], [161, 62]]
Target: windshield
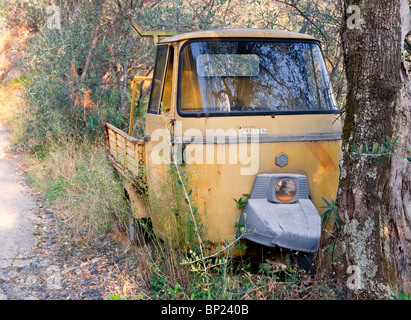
[[233, 77]]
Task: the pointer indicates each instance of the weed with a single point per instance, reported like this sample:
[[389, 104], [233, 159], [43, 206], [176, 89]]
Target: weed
[[401, 296], [330, 215], [114, 297], [242, 201]]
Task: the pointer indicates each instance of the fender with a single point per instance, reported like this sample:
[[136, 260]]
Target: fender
[[293, 225]]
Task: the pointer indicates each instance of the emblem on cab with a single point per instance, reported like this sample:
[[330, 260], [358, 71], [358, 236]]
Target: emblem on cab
[[254, 131], [281, 160]]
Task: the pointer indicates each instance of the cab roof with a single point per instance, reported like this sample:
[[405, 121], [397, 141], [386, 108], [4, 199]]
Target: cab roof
[[237, 33]]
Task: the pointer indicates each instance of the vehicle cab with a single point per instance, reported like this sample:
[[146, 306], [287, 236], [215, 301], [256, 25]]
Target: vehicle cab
[[249, 112]]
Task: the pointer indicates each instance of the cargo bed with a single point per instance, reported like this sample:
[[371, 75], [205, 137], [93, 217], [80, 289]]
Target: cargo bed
[[125, 153]]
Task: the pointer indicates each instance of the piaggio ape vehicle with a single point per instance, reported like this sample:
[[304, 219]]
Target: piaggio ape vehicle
[[250, 112]]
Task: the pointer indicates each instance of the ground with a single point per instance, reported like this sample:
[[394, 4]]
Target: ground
[[43, 257]]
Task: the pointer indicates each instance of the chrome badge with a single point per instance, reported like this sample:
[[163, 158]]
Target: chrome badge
[[281, 160], [254, 131]]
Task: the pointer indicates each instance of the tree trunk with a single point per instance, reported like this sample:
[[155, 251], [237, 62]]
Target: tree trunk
[[374, 198]]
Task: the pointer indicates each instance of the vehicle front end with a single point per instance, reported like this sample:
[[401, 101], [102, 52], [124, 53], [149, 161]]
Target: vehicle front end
[[255, 114]]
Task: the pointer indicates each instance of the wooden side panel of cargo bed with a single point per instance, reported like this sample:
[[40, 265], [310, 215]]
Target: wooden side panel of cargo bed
[[126, 153]]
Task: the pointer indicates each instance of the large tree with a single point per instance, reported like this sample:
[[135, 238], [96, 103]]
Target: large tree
[[374, 197]]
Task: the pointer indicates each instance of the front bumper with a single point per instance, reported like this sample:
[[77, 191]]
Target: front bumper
[[295, 226]]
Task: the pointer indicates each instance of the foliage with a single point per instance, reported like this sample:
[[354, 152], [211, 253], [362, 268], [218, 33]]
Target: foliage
[[242, 201], [330, 214], [114, 297], [378, 151], [65, 97], [23, 14], [402, 296]]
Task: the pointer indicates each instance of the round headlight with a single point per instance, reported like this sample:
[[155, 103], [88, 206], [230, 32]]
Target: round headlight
[[285, 189]]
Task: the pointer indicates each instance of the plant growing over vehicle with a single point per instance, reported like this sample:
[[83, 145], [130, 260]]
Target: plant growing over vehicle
[[243, 200], [330, 214]]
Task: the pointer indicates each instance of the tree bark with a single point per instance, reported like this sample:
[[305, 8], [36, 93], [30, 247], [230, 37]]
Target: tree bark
[[374, 198]]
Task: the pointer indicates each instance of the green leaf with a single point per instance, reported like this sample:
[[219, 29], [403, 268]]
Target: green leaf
[[328, 204], [361, 149], [409, 159], [239, 225], [354, 149], [394, 141], [381, 159], [375, 148], [242, 202], [242, 246], [114, 297]]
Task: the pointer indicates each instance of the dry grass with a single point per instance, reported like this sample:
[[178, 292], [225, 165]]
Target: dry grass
[[78, 181]]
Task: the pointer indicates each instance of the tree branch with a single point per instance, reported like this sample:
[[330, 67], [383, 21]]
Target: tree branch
[[90, 53]]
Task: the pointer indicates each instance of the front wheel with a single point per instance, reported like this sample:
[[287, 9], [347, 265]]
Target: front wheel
[[304, 261]]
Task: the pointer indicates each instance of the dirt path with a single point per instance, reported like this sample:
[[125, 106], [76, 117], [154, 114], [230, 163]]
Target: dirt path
[[42, 257], [18, 219], [17, 210]]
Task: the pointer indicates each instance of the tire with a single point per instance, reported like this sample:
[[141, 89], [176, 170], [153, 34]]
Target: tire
[[304, 261], [139, 231]]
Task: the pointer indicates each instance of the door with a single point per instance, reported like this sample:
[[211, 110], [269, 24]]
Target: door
[[159, 127]]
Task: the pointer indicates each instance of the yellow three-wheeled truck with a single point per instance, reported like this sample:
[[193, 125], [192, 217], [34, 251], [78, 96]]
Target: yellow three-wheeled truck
[[244, 111]]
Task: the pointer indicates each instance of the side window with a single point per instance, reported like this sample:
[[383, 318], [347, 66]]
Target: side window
[[168, 82], [158, 78], [162, 81]]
